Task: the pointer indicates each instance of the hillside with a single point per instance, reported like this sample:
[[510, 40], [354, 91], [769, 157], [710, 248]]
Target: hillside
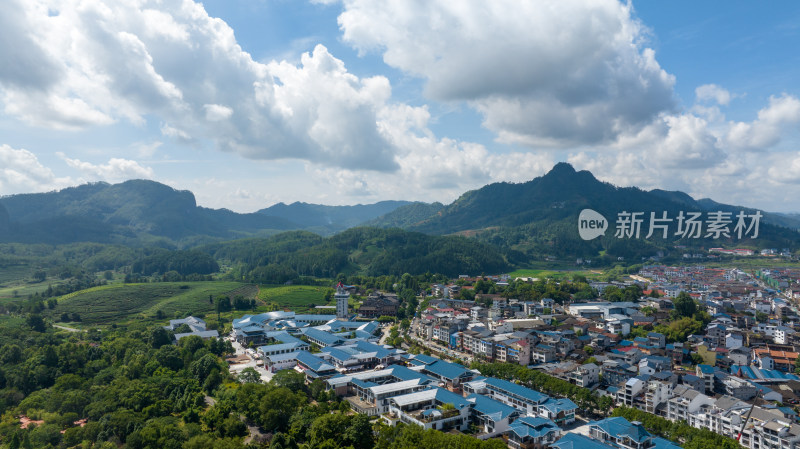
[[330, 219], [523, 221], [126, 213], [407, 216], [369, 251], [539, 217]]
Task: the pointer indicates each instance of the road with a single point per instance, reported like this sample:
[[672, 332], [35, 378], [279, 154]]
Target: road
[[385, 335], [68, 329]]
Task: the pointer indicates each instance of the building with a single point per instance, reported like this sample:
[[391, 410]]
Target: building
[[621, 433], [528, 432], [560, 411], [585, 376], [342, 299], [435, 408], [492, 417], [379, 304], [706, 372], [517, 396]]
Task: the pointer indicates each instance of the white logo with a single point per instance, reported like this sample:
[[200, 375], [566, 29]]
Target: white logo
[[591, 224]]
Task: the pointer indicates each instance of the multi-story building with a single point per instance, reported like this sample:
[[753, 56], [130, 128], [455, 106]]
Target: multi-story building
[[585, 375], [435, 408]]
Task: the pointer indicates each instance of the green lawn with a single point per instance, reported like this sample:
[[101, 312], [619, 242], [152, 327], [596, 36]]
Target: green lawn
[[299, 298], [119, 303]]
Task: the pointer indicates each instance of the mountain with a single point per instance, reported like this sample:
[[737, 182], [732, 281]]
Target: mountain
[[126, 213], [406, 216], [539, 217], [330, 219], [4, 220], [523, 221], [369, 251]]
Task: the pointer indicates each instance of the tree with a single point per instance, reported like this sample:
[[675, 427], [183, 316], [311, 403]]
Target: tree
[[249, 375], [36, 322], [684, 305], [290, 379], [160, 337]]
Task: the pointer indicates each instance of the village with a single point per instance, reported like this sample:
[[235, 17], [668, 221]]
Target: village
[[735, 373]]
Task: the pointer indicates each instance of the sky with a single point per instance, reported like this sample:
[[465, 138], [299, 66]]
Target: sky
[[252, 102]]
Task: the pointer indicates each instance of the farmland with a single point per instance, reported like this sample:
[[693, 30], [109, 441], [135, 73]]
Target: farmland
[[541, 274], [117, 303], [299, 298]]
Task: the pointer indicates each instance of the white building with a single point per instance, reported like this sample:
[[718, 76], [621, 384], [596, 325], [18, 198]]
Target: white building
[[342, 297]]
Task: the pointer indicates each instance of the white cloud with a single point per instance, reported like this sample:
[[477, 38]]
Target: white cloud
[[107, 61], [550, 73], [712, 92], [21, 172], [766, 131], [334, 111], [734, 162], [216, 112], [116, 170]]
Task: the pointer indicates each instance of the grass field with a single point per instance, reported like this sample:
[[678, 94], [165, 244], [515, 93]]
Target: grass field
[[542, 274], [118, 303], [299, 298]]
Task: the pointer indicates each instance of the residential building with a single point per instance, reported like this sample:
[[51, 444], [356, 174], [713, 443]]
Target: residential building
[[530, 432]]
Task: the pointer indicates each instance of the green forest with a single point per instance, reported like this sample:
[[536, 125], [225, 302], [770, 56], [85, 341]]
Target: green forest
[[131, 388]]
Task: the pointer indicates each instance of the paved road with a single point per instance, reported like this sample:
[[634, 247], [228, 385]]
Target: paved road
[[68, 329]]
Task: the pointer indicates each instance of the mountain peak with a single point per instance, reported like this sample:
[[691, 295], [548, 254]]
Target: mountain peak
[[562, 168]]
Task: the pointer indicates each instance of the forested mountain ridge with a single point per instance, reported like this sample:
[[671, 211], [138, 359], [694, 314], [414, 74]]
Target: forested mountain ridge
[[369, 251], [539, 217], [329, 219], [524, 221], [102, 212], [136, 212]]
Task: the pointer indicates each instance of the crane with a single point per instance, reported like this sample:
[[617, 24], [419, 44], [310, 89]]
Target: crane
[[750, 412]]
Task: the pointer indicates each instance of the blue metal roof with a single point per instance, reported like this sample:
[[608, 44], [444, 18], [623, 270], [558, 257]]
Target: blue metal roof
[[619, 426], [578, 441], [495, 410], [448, 397], [282, 347], [424, 359], [661, 443], [556, 406], [313, 362], [533, 427], [402, 373], [516, 390], [706, 369], [324, 337], [446, 370]]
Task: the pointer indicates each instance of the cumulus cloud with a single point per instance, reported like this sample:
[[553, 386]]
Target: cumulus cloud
[[712, 92], [21, 172], [104, 62], [115, 170], [767, 129], [551, 73], [430, 168], [729, 161]]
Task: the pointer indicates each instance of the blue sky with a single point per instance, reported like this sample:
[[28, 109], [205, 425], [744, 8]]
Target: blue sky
[[251, 102]]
